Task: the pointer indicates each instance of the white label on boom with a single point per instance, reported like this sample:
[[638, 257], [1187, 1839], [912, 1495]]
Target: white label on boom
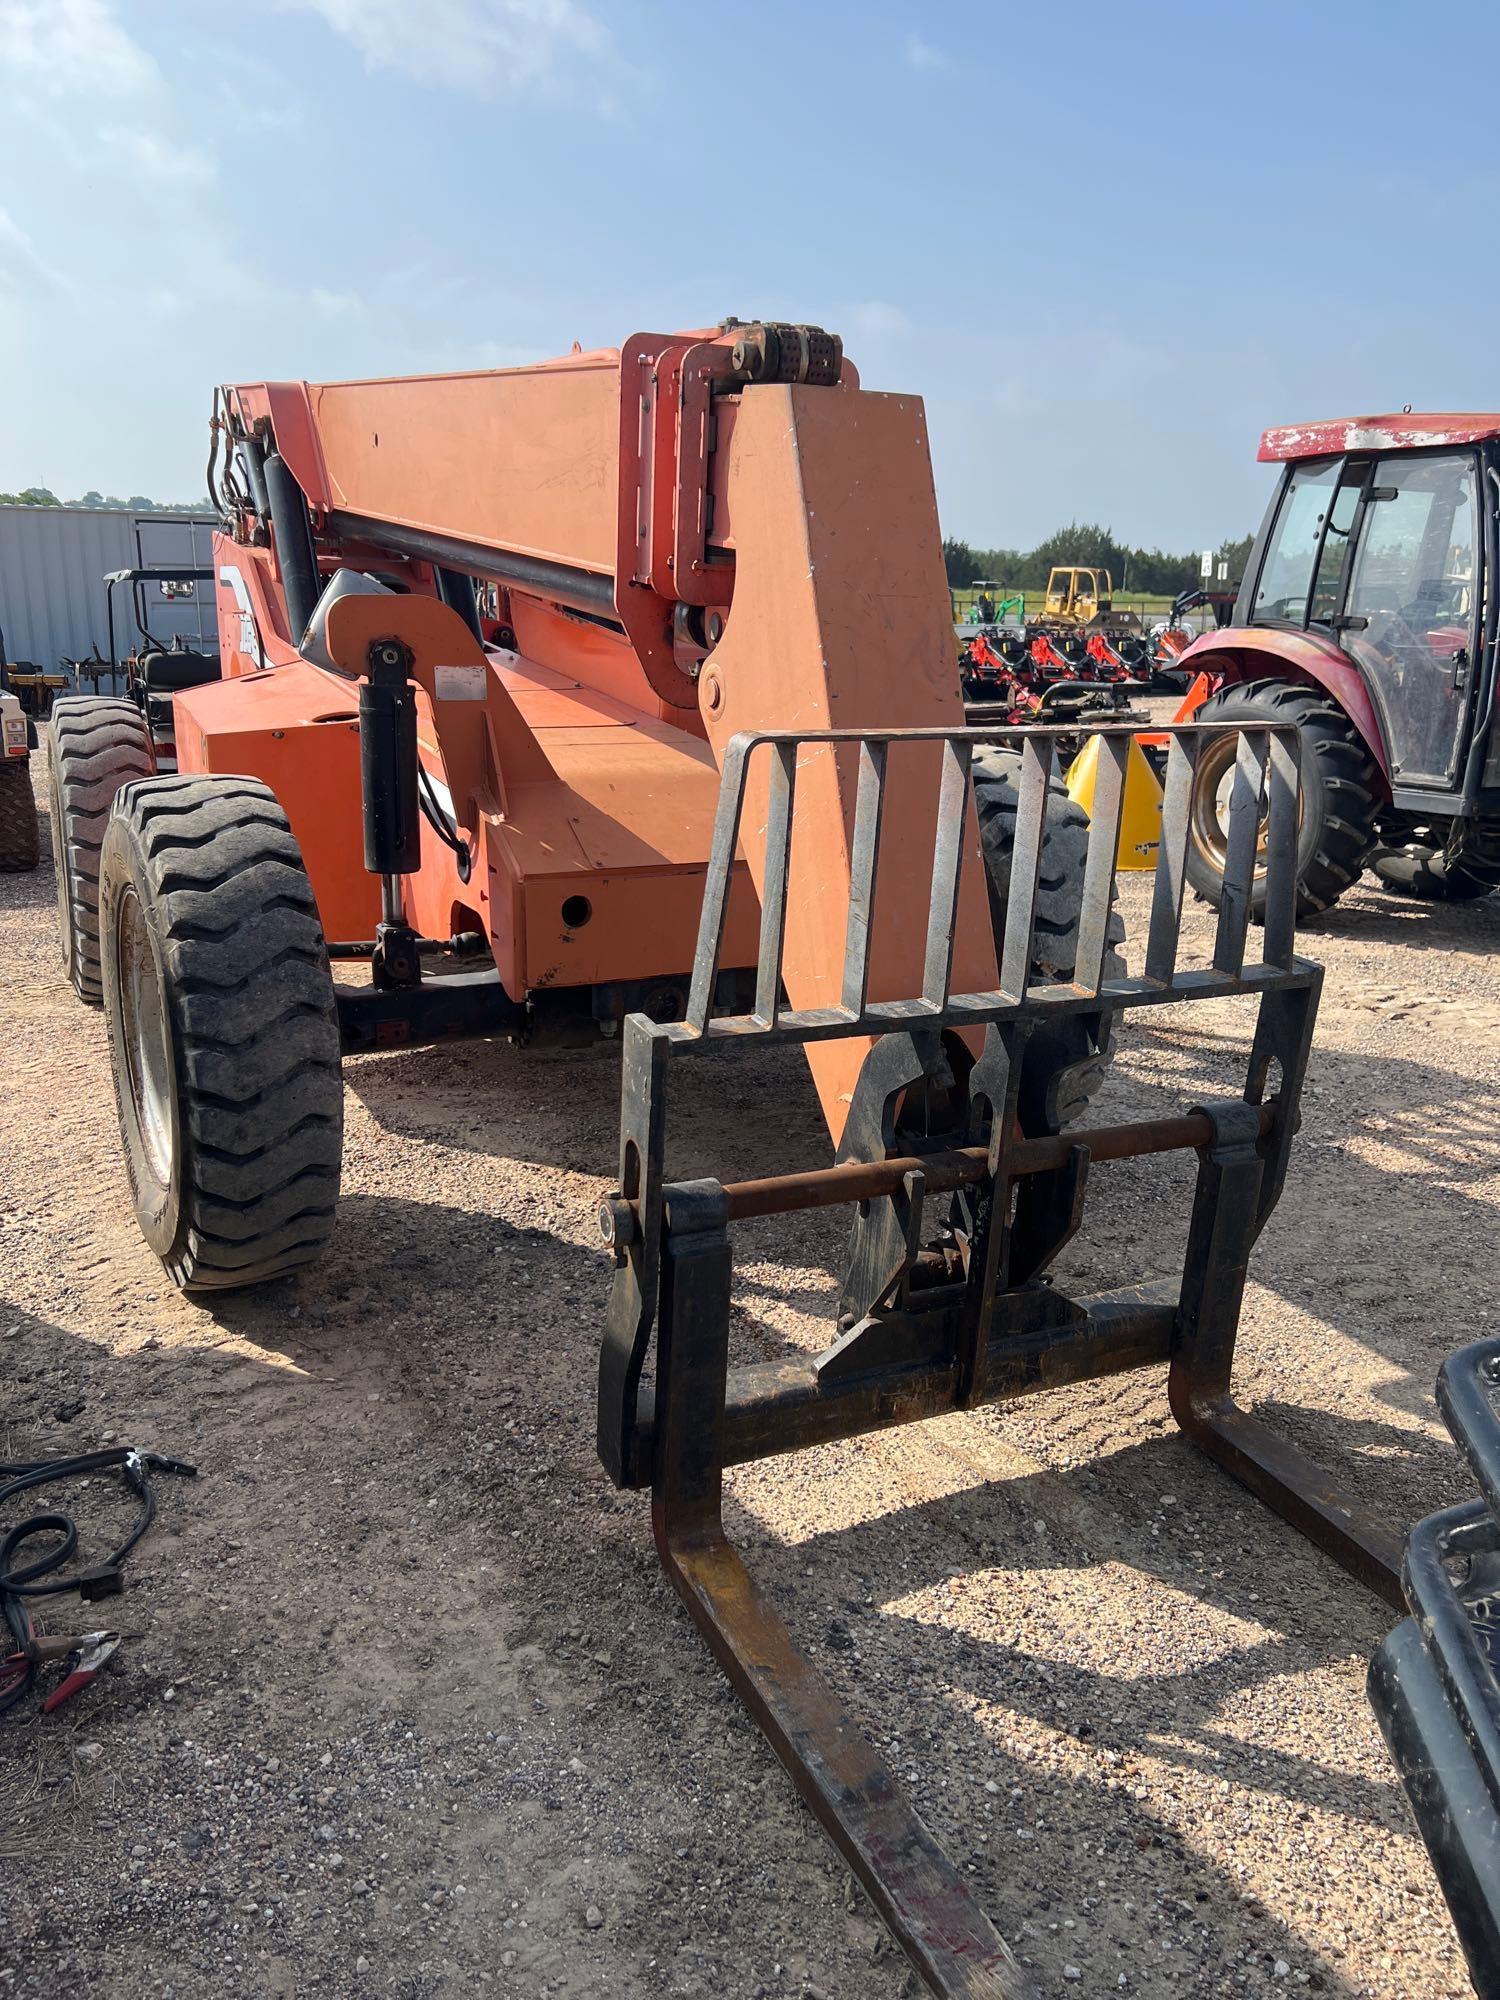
[[460, 683]]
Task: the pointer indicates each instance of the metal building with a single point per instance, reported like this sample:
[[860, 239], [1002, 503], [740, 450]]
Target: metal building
[[53, 561]]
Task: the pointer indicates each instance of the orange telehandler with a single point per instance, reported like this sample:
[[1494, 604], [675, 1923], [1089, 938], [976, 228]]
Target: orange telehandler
[[549, 558], [616, 696]]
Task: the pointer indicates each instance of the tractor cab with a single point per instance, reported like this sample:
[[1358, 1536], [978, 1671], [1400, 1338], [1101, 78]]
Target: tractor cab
[[1078, 596], [1379, 553], [1365, 598]]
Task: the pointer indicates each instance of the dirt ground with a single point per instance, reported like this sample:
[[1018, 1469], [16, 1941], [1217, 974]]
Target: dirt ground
[[411, 1710]]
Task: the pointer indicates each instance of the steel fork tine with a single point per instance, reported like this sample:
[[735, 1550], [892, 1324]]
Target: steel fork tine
[[1239, 854], [1283, 784], [716, 880], [947, 862], [869, 811], [1099, 868], [1025, 867], [781, 797], [1171, 860]]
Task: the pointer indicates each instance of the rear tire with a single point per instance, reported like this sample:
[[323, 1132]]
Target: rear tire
[[1065, 1061], [95, 745], [1422, 873], [1340, 794], [1423, 859], [223, 1030], [20, 844]]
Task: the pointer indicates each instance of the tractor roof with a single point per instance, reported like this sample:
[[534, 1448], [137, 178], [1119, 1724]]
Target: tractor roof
[[1405, 431]]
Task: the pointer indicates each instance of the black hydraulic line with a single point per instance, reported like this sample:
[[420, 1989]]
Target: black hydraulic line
[[294, 543], [252, 458], [578, 589], [211, 487], [39, 1578], [445, 829], [457, 591]]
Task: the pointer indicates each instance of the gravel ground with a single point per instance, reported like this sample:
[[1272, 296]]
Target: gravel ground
[[409, 1710]]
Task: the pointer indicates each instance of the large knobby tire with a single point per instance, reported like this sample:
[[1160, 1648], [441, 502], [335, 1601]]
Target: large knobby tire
[[1440, 868], [20, 844], [95, 745], [1065, 1060], [223, 1031], [1340, 800], [1426, 874]]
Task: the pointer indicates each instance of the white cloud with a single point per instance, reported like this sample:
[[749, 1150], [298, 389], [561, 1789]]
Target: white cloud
[[70, 48], [489, 48], [20, 261], [922, 55], [159, 158], [335, 305], [67, 65], [878, 319]]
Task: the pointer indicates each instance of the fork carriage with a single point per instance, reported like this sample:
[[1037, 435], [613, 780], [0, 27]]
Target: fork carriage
[[946, 1302]]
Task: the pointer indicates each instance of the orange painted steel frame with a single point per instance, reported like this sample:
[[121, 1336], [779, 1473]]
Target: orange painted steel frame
[[772, 556]]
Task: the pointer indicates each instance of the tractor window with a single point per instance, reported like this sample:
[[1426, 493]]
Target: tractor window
[[1334, 561], [1287, 572], [1410, 619]]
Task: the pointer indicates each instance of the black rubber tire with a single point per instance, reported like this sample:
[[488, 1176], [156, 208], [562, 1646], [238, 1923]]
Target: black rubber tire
[[1341, 793], [20, 842], [205, 875], [1066, 1061], [1422, 873], [94, 745]]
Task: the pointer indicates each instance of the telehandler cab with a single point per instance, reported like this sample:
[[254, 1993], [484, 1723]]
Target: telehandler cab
[[690, 767]]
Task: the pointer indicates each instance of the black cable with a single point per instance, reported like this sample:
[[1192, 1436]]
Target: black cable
[[38, 1578], [445, 829]]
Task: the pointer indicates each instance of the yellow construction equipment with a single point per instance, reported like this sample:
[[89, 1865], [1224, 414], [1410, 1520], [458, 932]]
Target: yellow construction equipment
[[1078, 596], [1140, 816]]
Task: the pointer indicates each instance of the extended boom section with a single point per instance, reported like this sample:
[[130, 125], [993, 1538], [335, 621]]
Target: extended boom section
[[959, 1211]]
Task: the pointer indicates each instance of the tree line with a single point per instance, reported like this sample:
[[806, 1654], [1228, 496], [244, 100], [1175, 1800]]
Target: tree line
[[43, 496], [1151, 572]]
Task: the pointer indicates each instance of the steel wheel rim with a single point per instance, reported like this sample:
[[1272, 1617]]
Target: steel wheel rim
[[143, 1030], [1213, 787]]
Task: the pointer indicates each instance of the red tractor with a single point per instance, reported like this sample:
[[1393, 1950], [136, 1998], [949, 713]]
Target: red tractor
[[1368, 616]]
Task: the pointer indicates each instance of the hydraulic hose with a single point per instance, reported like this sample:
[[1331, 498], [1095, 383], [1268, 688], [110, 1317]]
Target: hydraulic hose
[[20, 1581]]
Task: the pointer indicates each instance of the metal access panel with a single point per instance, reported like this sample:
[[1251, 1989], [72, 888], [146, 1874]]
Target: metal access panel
[[947, 1300]]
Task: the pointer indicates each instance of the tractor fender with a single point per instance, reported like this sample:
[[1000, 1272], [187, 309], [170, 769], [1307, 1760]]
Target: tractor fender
[[1248, 653]]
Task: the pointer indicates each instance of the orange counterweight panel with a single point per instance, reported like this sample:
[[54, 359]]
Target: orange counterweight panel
[[296, 729], [841, 619]]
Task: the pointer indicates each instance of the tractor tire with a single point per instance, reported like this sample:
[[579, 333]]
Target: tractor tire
[[1413, 859], [1423, 873], [20, 845], [224, 1035], [1065, 1062], [1340, 794], [95, 745]]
